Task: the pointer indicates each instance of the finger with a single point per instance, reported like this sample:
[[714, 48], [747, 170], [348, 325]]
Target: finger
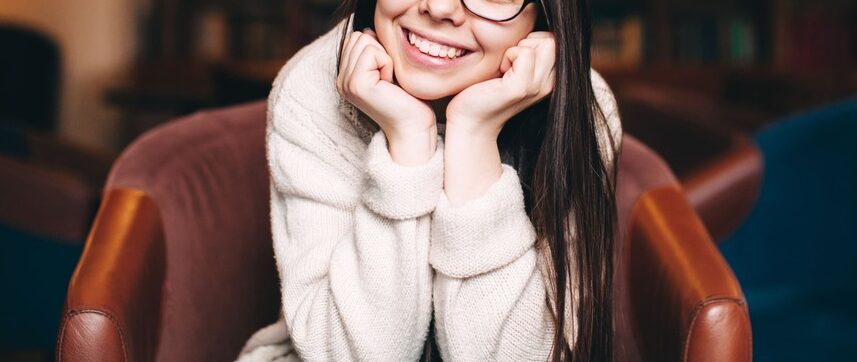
[[342, 62], [511, 55], [358, 41], [383, 62], [520, 75], [531, 42], [374, 64], [359, 46], [508, 58], [349, 44], [545, 55], [540, 34], [345, 58], [547, 86], [371, 33]]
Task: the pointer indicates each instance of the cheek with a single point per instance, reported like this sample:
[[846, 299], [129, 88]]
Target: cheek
[[495, 39], [385, 10]]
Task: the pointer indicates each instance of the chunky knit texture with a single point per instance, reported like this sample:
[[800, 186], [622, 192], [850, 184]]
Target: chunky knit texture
[[368, 251]]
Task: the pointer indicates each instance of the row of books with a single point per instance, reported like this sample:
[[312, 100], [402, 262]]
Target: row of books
[[228, 30], [785, 33], [628, 41]]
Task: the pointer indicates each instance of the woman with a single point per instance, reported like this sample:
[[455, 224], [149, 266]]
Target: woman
[[454, 164]]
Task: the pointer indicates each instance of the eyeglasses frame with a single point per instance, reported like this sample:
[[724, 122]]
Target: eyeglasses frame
[[523, 6]]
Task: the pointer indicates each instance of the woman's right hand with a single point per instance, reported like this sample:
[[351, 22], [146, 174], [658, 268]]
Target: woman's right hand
[[366, 80]]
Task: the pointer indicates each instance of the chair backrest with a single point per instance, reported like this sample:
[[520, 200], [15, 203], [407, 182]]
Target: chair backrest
[[675, 297], [199, 188]]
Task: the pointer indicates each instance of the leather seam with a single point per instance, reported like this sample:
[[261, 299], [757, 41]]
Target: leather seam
[[746, 314], [699, 306], [75, 312], [63, 325]]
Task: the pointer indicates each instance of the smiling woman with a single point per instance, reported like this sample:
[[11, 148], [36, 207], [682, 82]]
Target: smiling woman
[[498, 226]]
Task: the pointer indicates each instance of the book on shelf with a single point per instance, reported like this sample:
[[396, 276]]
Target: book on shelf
[[618, 42], [624, 42]]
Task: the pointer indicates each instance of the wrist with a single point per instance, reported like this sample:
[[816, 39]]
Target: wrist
[[471, 166], [412, 148], [471, 129]]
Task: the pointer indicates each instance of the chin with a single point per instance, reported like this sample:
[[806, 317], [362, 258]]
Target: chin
[[428, 90]]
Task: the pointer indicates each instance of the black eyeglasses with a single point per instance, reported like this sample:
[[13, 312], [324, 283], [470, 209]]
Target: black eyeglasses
[[500, 10]]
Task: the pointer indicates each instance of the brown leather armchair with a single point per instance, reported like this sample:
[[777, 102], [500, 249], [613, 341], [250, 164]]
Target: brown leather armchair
[[179, 265], [675, 298]]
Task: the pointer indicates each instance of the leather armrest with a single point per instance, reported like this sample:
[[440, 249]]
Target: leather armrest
[[112, 310], [725, 190], [683, 291]]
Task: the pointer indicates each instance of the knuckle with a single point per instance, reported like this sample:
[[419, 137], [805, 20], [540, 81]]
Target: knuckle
[[354, 87], [533, 91], [348, 87]]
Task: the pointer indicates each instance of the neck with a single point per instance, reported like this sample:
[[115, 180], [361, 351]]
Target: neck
[[439, 108]]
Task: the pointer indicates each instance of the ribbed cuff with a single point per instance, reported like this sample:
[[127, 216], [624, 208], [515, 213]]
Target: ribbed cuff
[[397, 191], [483, 234]]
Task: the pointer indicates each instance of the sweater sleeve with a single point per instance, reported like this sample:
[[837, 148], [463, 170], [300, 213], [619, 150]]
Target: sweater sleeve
[[351, 251], [490, 293]]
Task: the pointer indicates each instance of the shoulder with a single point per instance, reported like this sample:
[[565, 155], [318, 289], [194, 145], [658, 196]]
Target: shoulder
[[307, 79], [306, 112], [610, 126]]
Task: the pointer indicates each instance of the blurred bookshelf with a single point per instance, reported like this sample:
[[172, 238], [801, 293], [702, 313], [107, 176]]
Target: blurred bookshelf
[[786, 35], [194, 54], [695, 79], [777, 56], [229, 29]]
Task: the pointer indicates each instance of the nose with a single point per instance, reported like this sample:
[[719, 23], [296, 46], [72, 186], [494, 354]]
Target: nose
[[443, 10]]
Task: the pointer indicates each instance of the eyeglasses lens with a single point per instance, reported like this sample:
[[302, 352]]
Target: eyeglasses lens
[[495, 9]]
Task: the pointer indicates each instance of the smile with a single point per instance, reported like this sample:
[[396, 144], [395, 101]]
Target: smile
[[429, 47], [431, 54]]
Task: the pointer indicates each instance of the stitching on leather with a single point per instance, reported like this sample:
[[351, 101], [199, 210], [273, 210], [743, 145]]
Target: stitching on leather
[[699, 307], [58, 348], [746, 309], [75, 312]]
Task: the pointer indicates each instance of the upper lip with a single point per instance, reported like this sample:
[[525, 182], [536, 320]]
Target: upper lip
[[437, 39]]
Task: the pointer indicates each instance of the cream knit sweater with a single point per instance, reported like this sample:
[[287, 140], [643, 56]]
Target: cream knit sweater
[[369, 250]]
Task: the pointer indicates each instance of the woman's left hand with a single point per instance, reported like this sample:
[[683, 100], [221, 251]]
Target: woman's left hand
[[527, 77]]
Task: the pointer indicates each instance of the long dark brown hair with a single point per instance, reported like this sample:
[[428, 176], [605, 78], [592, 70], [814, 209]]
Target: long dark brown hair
[[569, 192]]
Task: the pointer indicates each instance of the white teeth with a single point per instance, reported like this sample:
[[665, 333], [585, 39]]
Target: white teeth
[[434, 49]]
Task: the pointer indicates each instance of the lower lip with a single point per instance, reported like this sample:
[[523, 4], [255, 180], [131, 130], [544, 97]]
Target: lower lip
[[414, 55]]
